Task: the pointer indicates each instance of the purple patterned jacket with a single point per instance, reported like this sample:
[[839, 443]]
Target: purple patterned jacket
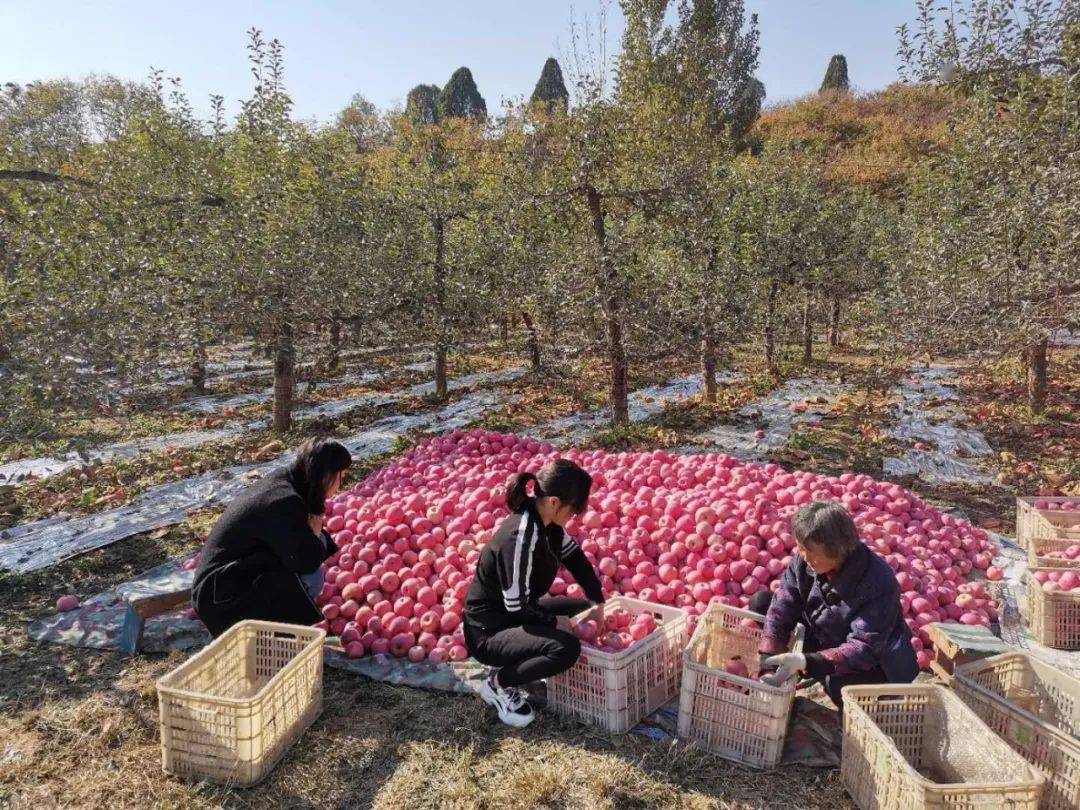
[[855, 625]]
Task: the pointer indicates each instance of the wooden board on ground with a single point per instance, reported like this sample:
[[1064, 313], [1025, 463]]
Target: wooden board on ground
[[142, 608], [960, 644]]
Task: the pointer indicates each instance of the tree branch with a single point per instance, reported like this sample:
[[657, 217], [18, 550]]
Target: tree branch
[[38, 176], [635, 195]]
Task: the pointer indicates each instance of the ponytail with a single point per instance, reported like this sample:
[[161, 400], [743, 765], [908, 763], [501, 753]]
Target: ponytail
[[561, 478], [517, 494]]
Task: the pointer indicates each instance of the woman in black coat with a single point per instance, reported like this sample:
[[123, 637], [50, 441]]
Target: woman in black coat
[[263, 559]]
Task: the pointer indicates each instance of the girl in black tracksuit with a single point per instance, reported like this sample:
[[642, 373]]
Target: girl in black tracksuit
[[508, 626]]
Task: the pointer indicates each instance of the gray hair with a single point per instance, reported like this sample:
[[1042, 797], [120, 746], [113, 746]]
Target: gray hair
[[828, 526]]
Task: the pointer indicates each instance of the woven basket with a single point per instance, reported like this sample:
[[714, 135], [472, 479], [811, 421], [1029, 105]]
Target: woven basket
[[1054, 618], [919, 746], [1026, 514], [614, 690], [1040, 547], [232, 711], [737, 718], [1035, 708]]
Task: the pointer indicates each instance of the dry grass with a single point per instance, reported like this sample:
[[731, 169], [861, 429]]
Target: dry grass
[[375, 745], [126, 423]]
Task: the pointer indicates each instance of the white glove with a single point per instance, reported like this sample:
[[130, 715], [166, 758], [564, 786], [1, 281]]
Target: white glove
[[778, 678], [793, 662]]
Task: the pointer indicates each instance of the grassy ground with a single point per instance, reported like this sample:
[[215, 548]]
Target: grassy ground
[[78, 728]]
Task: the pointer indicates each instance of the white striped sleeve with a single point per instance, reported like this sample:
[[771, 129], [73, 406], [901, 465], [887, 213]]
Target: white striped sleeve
[[517, 595], [534, 536], [568, 545]]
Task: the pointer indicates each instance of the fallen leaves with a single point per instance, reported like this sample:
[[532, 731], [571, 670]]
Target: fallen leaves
[[269, 450], [1035, 452], [117, 495]]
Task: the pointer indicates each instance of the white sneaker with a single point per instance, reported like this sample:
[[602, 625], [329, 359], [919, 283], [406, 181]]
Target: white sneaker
[[511, 705]]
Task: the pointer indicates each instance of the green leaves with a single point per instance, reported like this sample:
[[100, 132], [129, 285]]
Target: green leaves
[[631, 224], [179, 234]]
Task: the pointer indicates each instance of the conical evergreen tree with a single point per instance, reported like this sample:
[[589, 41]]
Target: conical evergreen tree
[[747, 105], [460, 98], [550, 88], [836, 77], [422, 103]]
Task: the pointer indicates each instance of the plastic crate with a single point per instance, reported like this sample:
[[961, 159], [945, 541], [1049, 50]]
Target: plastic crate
[[1054, 618], [920, 746], [231, 712], [1040, 547], [1026, 525], [737, 718], [614, 690], [1035, 708]]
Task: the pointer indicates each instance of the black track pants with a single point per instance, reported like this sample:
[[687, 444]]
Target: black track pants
[[529, 652]]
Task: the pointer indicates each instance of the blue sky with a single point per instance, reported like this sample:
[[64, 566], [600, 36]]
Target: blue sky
[[335, 48]]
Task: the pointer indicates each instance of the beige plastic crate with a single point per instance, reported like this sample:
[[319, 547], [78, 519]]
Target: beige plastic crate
[[737, 718], [1054, 618], [615, 690], [1035, 708], [1026, 514], [1039, 547], [231, 712], [919, 746], [1055, 525]]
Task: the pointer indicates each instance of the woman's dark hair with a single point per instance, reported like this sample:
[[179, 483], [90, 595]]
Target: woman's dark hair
[[316, 460], [828, 526], [562, 479]]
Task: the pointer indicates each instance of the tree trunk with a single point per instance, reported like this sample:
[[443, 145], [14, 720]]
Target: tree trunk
[[550, 318], [441, 341], [1035, 357], [333, 361], [593, 329], [708, 365], [534, 341], [504, 327], [612, 302], [807, 329], [197, 370], [770, 327], [834, 321], [284, 379], [441, 389]]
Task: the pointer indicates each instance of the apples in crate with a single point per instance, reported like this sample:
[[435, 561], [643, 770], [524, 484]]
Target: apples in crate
[[617, 631]]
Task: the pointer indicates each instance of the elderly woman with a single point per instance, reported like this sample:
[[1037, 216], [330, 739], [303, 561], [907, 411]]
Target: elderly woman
[[848, 600]]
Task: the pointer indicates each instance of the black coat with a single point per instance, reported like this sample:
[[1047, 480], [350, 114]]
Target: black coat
[[252, 560]]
